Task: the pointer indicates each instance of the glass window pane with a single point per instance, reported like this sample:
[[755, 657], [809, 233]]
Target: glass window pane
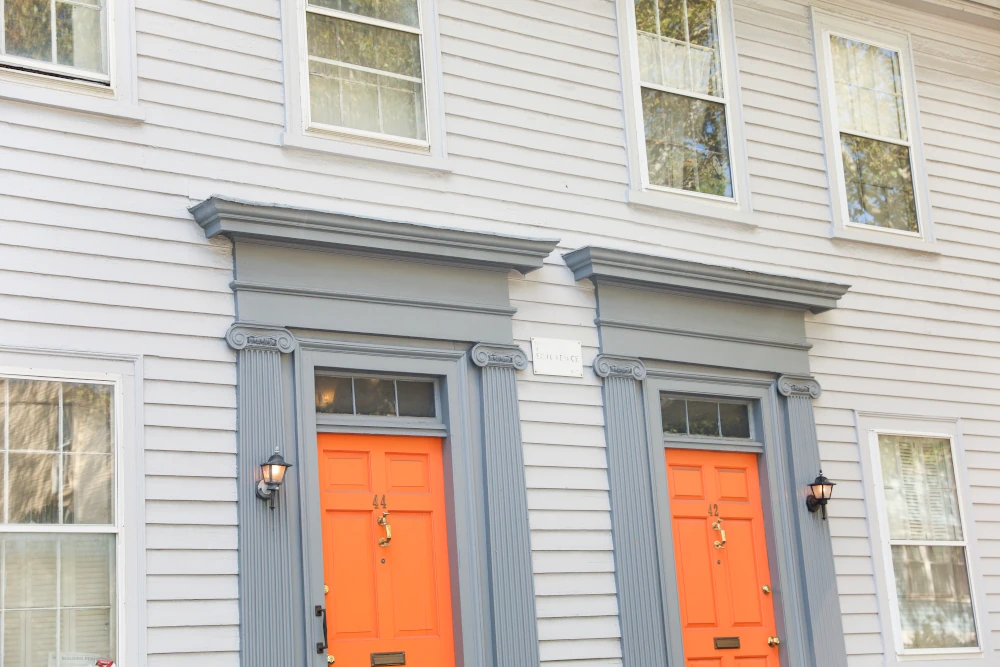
[[88, 489], [879, 183], [735, 420], [935, 604], [87, 418], [673, 413], [362, 44], [34, 414], [375, 397], [402, 108], [395, 11], [29, 638], [686, 143], [78, 37], [416, 399], [869, 88], [28, 28], [334, 395], [34, 488], [31, 570], [677, 50], [324, 93], [918, 478], [703, 418]]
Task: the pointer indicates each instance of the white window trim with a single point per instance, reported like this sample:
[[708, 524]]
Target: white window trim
[[824, 24], [118, 98], [431, 155], [869, 425], [689, 204], [124, 373]]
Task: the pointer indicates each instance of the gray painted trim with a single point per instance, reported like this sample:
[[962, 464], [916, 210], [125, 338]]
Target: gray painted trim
[[692, 333], [463, 461], [267, 557], [241, 219], [706, 280], [637, 568], [819, 579], [515, 625], [263, 288]]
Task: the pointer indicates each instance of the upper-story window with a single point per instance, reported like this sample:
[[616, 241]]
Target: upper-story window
[[872, 133], [65, 38], [683, 96], [366, 69]]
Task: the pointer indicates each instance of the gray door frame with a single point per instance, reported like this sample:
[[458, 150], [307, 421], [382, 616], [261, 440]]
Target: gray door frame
[[465, 502], [778, 512]]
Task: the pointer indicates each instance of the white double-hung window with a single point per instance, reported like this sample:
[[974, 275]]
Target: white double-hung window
[[58, 522], [366, 69], [66, 38], [933, 605], [872, 133]]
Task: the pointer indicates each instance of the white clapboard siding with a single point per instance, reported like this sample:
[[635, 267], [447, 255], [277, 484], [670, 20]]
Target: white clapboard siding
[[98, 252]]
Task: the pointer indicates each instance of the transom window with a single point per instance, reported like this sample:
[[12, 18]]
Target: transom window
[[928, 545], [57, 523], [683, 95], [62, 37], [875, 146], [365, 68], [375, 397], [704, 417]]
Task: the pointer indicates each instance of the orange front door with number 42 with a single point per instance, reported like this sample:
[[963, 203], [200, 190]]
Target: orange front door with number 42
[[720, 551]]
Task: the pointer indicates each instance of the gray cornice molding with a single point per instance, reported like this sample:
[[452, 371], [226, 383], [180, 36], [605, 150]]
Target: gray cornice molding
[[799, 385], [610, 366], [271, 222], [246, 335], [686, 277], [265, 288], [692, 333], [507, 356]]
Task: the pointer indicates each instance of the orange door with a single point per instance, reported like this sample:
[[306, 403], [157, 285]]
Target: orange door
[[385, 597], [721, 576]]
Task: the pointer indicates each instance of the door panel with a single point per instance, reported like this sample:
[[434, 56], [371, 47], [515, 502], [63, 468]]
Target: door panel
[[396, 597], [720, 552]]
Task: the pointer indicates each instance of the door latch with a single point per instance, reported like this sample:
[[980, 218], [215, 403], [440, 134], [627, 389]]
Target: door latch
[[325, 644], [773, 642], [384, 522], [717, 525]]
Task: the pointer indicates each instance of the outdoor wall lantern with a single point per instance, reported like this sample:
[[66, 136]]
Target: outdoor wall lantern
[[272, 475], [820, 492]]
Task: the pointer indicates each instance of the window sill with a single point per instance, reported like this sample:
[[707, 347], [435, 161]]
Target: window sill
[[885, 239], [689, 207], [362, 151], [81, 96]]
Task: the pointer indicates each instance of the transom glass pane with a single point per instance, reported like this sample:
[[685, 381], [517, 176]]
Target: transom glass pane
[[79, 32], [869, 88], [679, 45], [394, 11], [682, 416], [363, 76], [58, 602], [921, 498], [935, 603], [58, 454], [687, 144], [375, 397], [879, 183]]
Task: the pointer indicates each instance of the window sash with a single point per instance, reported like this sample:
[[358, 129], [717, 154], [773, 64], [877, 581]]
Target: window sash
[[894, 593], [382, 137], [837, 131], [52, 66], [639, 84]]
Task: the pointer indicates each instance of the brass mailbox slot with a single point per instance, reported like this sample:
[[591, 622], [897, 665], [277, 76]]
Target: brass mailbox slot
[[387, 659], [726, 642]]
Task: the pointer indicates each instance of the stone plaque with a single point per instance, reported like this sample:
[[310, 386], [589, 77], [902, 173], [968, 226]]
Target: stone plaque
[[553, 356]]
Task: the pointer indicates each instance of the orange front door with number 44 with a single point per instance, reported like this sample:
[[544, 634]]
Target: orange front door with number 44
[[385, 550], [720, 551]]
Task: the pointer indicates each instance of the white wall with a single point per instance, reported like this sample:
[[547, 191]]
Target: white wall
[[97, 252]]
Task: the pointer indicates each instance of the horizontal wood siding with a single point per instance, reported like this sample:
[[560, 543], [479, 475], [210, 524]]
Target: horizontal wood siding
[[97, 252]]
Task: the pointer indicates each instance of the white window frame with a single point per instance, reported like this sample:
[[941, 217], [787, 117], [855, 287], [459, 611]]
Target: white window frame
[[302, 133], [869, 426], [686, 203], [824, 25], [120, 372], [112, 95]]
